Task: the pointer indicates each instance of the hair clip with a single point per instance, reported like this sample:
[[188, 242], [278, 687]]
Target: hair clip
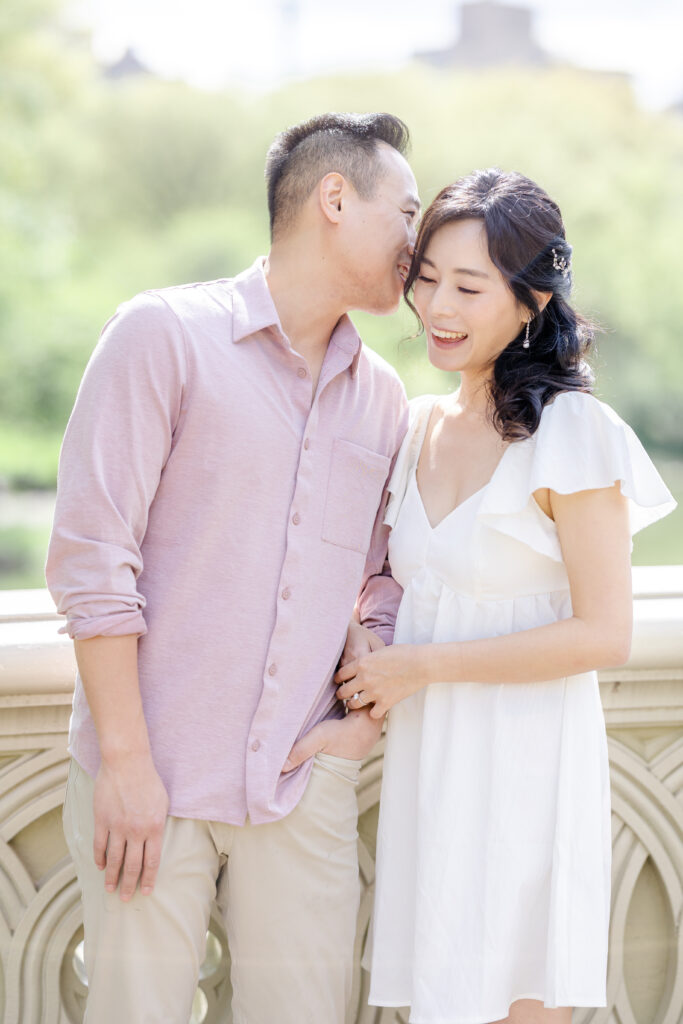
[[560, 263]]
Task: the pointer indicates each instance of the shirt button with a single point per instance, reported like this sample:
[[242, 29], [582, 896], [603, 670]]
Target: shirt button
[[272, 669], [256, 745], [307, 444], [296, 518], [301, 372], [286, 594]]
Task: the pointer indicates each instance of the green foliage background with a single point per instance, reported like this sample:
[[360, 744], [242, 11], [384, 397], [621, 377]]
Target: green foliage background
[[108, 187]]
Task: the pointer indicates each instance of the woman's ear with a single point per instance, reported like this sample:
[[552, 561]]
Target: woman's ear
[[542, 299]]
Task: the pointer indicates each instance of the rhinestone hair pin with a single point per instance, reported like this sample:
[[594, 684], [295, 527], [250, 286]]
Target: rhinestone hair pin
[[560, 263]]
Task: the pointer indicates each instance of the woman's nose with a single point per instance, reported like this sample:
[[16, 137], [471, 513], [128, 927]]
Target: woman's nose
[[442, 302]]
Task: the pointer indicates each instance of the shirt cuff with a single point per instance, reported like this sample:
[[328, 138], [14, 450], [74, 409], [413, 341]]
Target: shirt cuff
[[112, 624]]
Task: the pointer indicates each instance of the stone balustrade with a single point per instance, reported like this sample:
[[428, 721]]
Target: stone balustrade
[[42, 980]]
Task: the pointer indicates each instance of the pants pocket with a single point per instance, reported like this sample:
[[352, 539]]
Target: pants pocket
[[345, 767]]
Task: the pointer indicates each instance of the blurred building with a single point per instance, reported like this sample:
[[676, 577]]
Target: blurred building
[[491, 34], [127, 66], [495, 34]]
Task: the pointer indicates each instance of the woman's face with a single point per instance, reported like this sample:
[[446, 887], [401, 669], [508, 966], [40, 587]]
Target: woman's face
[[469, 313]]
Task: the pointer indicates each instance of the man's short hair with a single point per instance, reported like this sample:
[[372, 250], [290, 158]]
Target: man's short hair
[[303, 154]]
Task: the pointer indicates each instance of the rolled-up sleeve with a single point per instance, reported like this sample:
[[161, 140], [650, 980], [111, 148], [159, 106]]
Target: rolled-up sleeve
[[380, 594], [118, 439]]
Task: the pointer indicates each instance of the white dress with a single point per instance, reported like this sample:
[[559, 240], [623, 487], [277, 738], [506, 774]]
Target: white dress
[[493, 857]]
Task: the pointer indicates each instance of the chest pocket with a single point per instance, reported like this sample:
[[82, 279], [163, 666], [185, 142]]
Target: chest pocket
[[354, 490]]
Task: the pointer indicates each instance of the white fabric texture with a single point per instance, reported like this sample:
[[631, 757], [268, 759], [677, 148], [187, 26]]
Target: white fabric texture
[[493, 858]]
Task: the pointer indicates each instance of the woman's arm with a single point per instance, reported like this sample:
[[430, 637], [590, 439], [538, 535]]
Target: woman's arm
[[593, 529]]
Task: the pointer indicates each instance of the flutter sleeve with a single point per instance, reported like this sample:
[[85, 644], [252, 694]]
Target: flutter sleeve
[[581, 444]]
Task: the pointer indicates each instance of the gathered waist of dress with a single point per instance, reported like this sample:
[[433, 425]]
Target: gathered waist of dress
[[436, 613], [426, 582]]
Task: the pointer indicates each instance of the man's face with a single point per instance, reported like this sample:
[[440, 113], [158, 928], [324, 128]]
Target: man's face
[[380, 235]]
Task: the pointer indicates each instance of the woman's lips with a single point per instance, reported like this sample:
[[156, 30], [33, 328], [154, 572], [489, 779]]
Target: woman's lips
[[447, 339]]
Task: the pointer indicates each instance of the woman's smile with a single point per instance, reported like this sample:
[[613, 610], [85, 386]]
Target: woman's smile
[[447, 340]]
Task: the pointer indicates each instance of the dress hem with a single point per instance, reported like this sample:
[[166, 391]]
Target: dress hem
[[484, 1018]]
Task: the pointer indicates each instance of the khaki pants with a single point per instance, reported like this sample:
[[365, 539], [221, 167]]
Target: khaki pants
[[288, 892]]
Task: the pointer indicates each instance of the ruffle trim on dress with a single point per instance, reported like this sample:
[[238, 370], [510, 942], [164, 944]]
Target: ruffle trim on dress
[[581, 444]]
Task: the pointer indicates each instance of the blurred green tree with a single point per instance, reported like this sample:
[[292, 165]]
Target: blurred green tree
[[108, 187]]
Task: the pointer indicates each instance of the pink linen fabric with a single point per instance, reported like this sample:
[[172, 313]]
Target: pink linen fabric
[[209, 503]]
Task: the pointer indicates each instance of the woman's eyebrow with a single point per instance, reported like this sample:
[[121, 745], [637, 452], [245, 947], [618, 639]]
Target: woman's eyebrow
[[459, 270], [467, 270]]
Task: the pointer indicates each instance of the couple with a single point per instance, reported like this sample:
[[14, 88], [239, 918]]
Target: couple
[[233, 470]]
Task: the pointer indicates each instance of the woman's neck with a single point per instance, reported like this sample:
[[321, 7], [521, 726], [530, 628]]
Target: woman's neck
[[473, 395]]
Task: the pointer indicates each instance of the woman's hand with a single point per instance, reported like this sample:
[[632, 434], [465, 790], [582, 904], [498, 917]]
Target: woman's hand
[[384, 677]]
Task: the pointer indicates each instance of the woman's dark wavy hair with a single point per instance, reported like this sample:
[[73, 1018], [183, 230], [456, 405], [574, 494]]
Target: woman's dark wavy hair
[[523, 227]]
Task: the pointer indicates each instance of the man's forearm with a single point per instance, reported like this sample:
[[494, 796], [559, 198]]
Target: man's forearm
[[108, 667], [130, 803]]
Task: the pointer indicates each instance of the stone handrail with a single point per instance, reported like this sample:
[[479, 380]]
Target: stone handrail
[[42, 980]]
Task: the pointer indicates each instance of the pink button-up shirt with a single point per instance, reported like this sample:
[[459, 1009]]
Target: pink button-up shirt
[[209, 503]]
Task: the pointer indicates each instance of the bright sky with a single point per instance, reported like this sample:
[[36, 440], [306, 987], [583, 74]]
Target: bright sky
[[244, 42]]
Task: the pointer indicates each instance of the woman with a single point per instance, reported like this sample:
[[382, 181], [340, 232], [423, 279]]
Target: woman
[[512, 505]]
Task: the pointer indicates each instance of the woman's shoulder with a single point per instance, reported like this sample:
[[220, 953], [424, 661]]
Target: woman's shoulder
[[575, 421], [578, 430], [419, 412], [580, 404], [420, 405], [583, 444]]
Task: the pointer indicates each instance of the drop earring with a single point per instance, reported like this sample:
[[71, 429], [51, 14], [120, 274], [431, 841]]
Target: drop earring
[[525, 343]]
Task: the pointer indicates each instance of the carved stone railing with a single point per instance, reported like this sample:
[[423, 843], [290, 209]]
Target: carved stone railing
[[42, 980]]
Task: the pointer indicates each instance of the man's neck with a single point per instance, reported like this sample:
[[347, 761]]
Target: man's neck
[[305, 296]]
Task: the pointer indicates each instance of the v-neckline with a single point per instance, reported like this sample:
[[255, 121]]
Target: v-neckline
[[460, 503], [452, 512]]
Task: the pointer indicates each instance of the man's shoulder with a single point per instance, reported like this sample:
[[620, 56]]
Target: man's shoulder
[[380, 369], [172, 317], [197, 299]]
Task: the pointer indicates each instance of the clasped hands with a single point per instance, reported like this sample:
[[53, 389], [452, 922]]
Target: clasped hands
[[381, 678]]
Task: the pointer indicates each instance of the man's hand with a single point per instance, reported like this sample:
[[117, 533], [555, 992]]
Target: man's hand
[[130, 806], [353, 736], [359, 641]]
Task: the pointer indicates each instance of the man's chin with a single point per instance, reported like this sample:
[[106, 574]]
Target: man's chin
[[384, 306]]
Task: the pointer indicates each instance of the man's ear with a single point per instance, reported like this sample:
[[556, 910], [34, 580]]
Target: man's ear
[[332, 192]]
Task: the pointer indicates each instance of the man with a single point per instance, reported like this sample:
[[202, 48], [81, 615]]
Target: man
[[218, 513]]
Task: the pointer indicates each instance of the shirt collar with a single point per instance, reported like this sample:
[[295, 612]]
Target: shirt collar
[[346, 337], [253, 310]]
